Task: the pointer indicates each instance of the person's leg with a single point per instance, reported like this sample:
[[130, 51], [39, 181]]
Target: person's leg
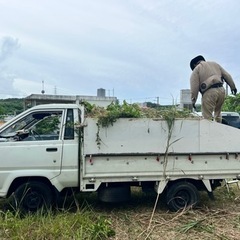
[[208, 104], [219, 103]]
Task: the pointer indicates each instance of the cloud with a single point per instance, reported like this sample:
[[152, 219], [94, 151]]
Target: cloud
[[8, 46], [32, 87], [138, 48], [6, 83]]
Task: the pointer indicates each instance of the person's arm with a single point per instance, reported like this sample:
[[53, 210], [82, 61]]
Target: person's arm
[[228, 79], [194, 85]]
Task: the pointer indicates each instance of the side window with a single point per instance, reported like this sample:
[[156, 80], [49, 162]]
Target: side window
[[69, 127], [37, 126], [48, 128]]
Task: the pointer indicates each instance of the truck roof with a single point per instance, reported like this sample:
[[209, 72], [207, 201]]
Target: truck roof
[[56, 105]]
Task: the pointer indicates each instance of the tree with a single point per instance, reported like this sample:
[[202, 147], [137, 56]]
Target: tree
[[1, 110], [11, 106], [232, 103]]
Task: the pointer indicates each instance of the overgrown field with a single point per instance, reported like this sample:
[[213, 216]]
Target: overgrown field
[[84, 217]]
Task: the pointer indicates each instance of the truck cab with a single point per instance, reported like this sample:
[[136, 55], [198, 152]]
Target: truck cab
[[40, 147]]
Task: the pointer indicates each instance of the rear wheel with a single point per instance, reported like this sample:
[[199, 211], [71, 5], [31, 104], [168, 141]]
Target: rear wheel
[[32, 196], [182, 195]]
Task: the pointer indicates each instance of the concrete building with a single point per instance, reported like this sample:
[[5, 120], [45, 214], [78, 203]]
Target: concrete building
[[185, 99], [99, 100]]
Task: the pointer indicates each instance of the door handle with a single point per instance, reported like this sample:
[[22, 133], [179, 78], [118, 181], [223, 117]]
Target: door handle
[[51, 149]]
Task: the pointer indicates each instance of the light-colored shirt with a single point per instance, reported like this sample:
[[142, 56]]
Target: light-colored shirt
[[210, 73]]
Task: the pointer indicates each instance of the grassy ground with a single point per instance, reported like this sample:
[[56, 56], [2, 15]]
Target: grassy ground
[[85, 217]]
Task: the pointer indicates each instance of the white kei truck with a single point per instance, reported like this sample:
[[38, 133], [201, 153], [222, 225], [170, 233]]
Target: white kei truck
[[51, 148]]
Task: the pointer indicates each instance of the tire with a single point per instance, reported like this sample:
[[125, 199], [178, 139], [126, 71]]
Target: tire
[[181, 195], [31, 197]]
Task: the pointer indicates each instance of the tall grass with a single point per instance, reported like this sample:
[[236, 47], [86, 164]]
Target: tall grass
[[86, 218], [80, 225], [65, 223]]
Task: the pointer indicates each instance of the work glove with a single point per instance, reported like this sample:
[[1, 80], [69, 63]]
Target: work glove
[[234, 91]]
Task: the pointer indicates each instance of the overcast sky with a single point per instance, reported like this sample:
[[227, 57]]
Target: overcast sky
[[137, 50]]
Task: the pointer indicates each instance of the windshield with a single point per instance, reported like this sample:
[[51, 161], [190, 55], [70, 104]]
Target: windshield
[[36, 125]]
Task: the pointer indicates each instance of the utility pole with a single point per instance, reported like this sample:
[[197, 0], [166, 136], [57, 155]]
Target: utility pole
[[43, 91]]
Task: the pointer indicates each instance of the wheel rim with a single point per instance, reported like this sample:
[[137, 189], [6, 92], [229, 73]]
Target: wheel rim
[[182, 195], [182, 198], [33, 200]]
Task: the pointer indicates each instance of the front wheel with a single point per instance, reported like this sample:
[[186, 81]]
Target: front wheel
[[32, 196], [182, 195]]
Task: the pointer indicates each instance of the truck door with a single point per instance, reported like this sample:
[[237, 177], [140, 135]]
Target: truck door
[[32, 145]]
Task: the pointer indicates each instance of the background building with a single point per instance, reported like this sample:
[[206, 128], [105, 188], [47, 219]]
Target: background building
[[99, 100], [185, 99]]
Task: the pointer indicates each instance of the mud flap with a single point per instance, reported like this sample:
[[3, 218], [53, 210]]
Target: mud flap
[[207, 184], [161, 186]]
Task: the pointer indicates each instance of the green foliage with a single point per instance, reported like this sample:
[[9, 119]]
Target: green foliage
[[196, 225], [88, 107], [232, 103], [48, 125], [198, 107], [11, 106], [213, 220], [2, 112], [172, 113], [115, 111], [84, 224], [101, 229]]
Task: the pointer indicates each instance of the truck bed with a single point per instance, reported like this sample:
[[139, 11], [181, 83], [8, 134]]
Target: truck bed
[[139, 150], [128, 136]]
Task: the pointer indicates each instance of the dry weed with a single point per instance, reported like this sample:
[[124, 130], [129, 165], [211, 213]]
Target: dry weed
[[219, 219]]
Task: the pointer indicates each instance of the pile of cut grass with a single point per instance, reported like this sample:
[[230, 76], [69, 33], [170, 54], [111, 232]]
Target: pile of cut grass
[[107, 116]]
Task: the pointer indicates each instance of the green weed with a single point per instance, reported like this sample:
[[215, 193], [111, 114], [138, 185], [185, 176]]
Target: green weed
[[84, 224]]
